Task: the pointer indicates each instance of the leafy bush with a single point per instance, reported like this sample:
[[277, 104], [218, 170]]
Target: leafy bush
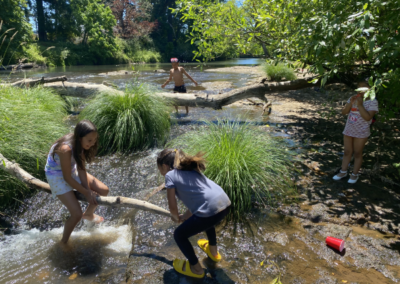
[[30, 121], [279, 71], [133, 121], [245, 161]]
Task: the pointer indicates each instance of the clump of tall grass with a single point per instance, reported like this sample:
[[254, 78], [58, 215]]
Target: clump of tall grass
[[245, 161], [279, 71], [133, 121], [30, 121]]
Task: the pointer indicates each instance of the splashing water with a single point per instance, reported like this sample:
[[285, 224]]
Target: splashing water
[[36, 257]]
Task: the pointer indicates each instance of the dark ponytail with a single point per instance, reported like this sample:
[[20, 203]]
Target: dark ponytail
[[177, 159]]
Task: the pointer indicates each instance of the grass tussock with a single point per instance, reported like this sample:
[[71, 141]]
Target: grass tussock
[[279, 72], [30, 121], [133, 121], [245, 161]]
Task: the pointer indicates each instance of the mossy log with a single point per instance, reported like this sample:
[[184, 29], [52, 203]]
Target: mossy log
[[111, 201]]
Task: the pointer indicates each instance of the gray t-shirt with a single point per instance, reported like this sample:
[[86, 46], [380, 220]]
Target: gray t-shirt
[[202, 196]]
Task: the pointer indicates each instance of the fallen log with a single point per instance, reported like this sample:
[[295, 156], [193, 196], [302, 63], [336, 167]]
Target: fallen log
[[259, 90], [111, 201], [19, 66], [41, 81]]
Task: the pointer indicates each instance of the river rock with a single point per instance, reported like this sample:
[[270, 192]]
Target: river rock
[[116, 73], [109, 84], [280, 238], [160, 71]]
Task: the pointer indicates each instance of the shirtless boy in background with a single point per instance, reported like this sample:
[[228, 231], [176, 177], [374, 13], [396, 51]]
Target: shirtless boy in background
[[176, 73]]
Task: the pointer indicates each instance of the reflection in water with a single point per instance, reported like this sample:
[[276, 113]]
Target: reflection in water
[[39, 256]]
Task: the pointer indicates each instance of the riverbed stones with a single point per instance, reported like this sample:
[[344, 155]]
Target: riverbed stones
[[280, 238]]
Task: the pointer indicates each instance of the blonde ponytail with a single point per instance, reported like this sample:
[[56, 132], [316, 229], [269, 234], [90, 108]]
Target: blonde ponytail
[[177, 159]]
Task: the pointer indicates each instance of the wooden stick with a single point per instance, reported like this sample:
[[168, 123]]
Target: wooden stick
[[112, 201], [41, 81]]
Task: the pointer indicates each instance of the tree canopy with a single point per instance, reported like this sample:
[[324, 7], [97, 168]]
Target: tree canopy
[[343, 39]]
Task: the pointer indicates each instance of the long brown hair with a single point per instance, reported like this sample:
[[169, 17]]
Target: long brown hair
[[83, 128], [177, 159]]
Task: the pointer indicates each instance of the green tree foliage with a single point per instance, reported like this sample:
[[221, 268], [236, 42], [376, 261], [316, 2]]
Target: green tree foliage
[[226, 27], [343, 39], [13, 19], [95, 23]]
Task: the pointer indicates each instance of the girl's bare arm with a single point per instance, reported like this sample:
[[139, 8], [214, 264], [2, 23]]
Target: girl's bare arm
[[83, 174], [348, 106], [187, 75], [173, 205], [65, 154], [367, 115]]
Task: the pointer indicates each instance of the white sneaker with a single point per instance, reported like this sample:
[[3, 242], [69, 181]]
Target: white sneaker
[[354, 180], [337, 177]]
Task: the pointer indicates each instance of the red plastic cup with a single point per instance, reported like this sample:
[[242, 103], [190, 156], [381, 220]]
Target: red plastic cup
[[335, 243]]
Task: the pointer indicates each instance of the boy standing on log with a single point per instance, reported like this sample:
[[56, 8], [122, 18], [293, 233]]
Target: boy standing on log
[[176, 73]]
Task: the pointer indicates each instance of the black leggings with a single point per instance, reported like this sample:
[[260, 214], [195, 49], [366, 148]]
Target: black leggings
[[193, 226]]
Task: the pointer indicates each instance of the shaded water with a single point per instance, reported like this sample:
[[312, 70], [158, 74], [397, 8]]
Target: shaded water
[[139, 246]]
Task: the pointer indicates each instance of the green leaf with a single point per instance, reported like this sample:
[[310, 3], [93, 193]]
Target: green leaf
[[275, 281], [324, 80], [37, 163], [4, 163], [371, 81], [365, 6]]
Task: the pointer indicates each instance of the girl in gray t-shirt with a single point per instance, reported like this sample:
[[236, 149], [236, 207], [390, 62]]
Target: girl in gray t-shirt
[[206, 201]]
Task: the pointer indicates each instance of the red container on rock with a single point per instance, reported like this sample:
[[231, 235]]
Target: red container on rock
[[335, 243]]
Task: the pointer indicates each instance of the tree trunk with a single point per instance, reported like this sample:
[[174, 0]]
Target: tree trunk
[[112, 201], [41, 21], [264, 47]]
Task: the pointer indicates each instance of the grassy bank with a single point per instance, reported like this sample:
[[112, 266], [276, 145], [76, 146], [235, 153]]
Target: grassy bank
[[69, 54], [245, 161], [30, 121]]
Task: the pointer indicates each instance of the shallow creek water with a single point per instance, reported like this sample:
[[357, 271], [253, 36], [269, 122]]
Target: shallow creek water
[[138, 247]]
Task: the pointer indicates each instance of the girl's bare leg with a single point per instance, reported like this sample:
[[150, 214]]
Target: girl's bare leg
[[348, 152], [358, 146], [74, 208], [102, 190]]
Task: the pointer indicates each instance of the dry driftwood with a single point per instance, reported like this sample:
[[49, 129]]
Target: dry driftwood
[[259, 90], [41, 81], [112, 201]]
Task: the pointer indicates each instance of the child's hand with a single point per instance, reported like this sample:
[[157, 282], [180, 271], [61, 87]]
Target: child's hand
[[163, 86], [175, 219], [182, 218], [359, 101], [196, 84], [353, 99], [91, 197]]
